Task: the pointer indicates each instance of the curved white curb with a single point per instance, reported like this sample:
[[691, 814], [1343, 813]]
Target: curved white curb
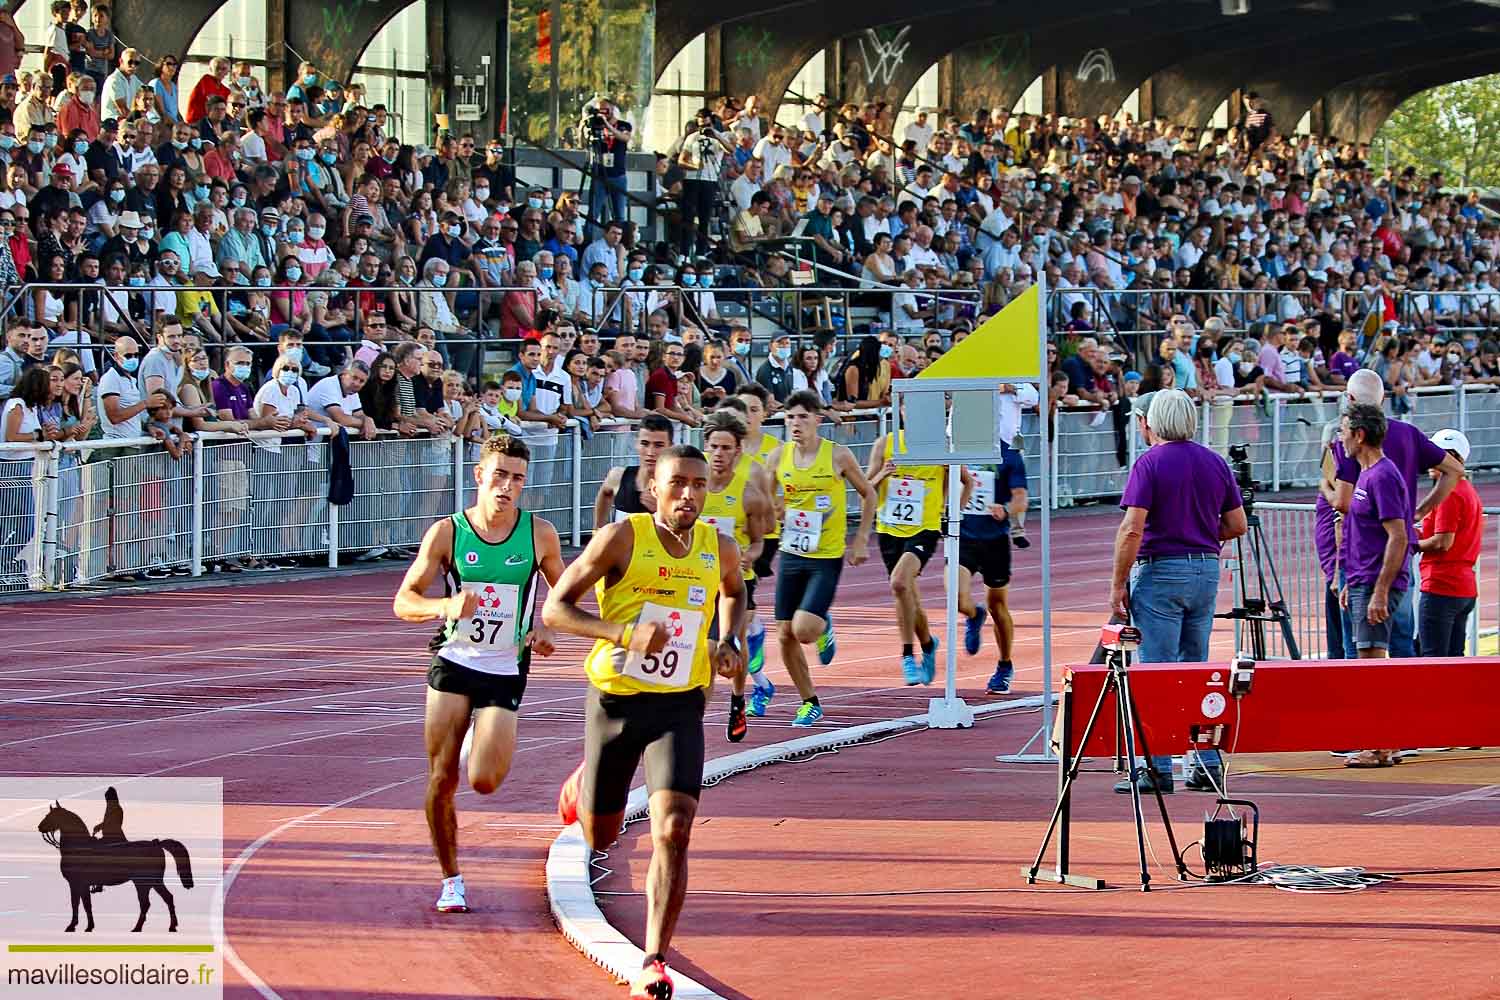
[[570, 893]]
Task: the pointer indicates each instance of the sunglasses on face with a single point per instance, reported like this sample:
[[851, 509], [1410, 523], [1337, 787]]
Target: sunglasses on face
[[433, 367]]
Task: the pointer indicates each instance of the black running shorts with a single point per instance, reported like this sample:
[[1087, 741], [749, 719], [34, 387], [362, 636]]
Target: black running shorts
[[483, 690], [619, 730]]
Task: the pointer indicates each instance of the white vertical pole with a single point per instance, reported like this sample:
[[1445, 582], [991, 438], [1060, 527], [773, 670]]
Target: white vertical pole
[[197, 508], [458, 474], [950, 570], [576, 469], [1041, 337]]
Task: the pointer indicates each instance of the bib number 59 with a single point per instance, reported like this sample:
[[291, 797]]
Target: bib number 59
[[663, 664]]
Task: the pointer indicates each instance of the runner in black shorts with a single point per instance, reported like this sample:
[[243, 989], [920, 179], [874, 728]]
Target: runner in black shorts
[[999, 494], [661, 578], [813, 476], [489, 557]]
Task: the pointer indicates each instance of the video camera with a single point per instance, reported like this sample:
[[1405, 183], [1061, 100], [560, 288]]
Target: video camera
[[1239, 461], [594, 124]]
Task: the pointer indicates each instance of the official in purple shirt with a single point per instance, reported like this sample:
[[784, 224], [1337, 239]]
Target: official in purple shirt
[[1181, 502], [1413, 455], [1375, 531]]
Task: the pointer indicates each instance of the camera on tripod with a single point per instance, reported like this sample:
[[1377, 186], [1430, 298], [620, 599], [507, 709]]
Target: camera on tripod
[[1244, 476]]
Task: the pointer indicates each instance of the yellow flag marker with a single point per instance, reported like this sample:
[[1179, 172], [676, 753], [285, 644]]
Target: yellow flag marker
[[1004, 346]]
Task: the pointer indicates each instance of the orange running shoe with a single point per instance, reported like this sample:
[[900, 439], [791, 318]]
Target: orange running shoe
[[653, 983], [567, 797]]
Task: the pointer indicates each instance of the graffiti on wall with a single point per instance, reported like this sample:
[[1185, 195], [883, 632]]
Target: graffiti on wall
[[752, 47], [1097, 65], [883, 56], [1006, 54]]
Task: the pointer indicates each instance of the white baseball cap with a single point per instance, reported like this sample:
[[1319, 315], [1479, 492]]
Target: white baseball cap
[[1449, 439]]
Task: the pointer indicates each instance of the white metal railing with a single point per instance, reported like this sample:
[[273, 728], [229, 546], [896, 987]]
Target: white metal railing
[[76, 513], [1289, 534]]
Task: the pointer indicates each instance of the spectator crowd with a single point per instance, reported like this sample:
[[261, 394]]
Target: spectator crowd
[[234, 259]]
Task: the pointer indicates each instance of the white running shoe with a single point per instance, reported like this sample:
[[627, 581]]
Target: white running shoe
[[463, 752], [452, 899]]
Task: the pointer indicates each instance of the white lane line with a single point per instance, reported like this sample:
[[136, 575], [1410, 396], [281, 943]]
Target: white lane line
[[1441, 802]]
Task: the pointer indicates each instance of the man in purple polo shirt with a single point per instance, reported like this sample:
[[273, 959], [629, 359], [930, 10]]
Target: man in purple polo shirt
[[1413, 455], [1376, 543], [233, 397], [1181, 503]]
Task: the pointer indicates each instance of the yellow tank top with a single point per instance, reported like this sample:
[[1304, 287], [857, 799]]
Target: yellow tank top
[[725, 510], [816, 504], [657, 586], [910, 500], [759, 456]]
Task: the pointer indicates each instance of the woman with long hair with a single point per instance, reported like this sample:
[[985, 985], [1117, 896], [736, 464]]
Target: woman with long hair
[[163, 88], [378, 397], [53, 310], [866, 379], [196, 389]]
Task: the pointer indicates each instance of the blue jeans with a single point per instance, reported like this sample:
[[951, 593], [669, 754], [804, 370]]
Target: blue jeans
[[1172, 603], [1339, 628], [1404, 623], [613, 189], [1445, 624]]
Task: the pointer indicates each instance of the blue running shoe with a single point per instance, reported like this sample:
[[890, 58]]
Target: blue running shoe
[[974, 631], [910, 671], [999, 682], [827, 646], [807, 714], [929, 662], [756, 701], [755, 643]]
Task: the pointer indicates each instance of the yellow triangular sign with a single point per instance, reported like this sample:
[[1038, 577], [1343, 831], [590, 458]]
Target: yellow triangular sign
[[1004, 346]]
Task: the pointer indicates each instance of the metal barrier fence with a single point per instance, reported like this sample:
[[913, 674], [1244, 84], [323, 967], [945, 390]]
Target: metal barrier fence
[[1290, 549], [72, 514]]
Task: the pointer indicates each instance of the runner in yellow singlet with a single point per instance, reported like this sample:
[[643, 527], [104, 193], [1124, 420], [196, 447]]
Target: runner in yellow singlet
[[909, 522], [738, 507], [814, 476], [752, 400], [660, 578]]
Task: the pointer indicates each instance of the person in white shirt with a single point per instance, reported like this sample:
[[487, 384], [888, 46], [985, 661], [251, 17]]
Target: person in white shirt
[[285, 393], [122, 407], [746, 184], [919, 131], [813, 120], [772, 152], [121, 86], [335, 400], [918, 189]]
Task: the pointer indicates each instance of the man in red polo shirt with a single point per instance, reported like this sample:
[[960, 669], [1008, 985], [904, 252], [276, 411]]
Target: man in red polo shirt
[[1449, 540], [210, 85]]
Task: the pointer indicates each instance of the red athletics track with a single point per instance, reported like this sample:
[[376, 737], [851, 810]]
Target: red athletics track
[[305, 696]]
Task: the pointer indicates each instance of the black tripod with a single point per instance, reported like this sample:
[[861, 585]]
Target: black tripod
[[1266, 604], [1128, 729], [596, 179]]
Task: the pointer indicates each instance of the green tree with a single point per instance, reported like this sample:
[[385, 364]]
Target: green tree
[[1451, 128]]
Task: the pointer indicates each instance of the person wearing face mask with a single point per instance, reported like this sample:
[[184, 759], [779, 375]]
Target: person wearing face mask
[[447, 244], [122, 405], [701, 304], [775, 374], [81, 112]]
